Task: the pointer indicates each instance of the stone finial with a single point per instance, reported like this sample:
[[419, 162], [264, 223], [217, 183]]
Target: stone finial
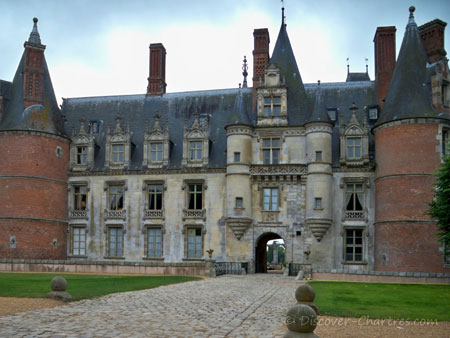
[[301, 319], [59, 286], [305, 295]]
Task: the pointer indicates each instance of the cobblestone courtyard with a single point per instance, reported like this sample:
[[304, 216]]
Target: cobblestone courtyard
[[227, 306]]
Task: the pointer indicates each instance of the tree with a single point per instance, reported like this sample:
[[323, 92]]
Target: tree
[[440, 206]]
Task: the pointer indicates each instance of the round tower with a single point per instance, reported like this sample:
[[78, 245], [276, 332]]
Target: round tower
[[319, 184], [239, 194], [33, 164], [408, 152]]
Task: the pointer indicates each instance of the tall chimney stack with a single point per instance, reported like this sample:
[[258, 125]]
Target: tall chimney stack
[[432, 34], [384, 41], [260, 57], [157, 79]]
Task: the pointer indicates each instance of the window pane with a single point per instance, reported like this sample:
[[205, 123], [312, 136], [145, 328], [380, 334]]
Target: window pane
[[275, 143], [267, 111], [266, 155], [266, 143], [275, 155], [267, 100], [276, 110], [277, 100]]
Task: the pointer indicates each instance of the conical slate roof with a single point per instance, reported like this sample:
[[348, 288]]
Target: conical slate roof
[[45, 117], [409, 94], [284, 57], [240, 115], [319, 113]]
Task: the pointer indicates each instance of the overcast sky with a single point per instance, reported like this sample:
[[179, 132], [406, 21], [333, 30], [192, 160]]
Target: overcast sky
[[97, 47]]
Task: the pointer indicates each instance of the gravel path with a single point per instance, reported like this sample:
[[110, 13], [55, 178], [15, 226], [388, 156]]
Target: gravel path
[[227, 306]]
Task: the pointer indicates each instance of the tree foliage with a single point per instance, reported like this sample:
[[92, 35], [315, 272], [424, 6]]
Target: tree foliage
[[440, 206]]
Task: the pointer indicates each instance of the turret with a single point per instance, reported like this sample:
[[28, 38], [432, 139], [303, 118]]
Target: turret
[[318, 149], [239, 158], [33, 163], [408, 152]]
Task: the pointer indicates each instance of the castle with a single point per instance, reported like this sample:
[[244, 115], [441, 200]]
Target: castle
[[342, 172]]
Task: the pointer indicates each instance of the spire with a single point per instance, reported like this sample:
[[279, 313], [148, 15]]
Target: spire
[[319, 113], [244, 72], [239, 115], [409, 94], [34, 35], [33, 105], [284, 57]]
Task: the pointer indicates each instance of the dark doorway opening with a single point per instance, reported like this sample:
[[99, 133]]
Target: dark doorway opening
[[261, 251]]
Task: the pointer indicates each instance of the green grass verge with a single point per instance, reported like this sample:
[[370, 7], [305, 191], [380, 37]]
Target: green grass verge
[[383, 300], [37, 285]]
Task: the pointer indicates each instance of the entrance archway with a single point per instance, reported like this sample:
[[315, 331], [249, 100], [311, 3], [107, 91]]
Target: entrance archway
[[261, 251]]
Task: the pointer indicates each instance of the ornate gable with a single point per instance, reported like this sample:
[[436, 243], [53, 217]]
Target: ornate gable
[[196, 142], [156, 145], [354, 141], [272, 98], [82, 148], [118, 147]]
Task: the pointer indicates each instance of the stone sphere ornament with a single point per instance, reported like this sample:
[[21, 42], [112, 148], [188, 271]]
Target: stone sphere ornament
[[301, 318], [58, 284], [305, 293]]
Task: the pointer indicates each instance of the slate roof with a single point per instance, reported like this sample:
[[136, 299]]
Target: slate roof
[[299, 106], [44, 118], [319, 113], [223, 106], [409, 94], [357, 77]]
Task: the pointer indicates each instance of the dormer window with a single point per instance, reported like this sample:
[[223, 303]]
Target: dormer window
[[82, 153], [81, 149], [195, 150], [196, 142], [118, 153], [272, 106], [332, 113], [354, 147], [156, 149], [118, 147], [354, 140], [156, 145], [373, 113]]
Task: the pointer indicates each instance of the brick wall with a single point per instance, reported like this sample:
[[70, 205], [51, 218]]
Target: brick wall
[[407, 155], [34, 196]]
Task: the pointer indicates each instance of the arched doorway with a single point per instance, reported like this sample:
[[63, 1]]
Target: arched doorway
[[261, 251]]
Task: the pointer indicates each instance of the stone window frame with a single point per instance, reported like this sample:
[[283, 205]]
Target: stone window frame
[[185, 231], [237, 157], [153, 213], [145, 230], [445, 142], [271, 102], [70, 230], [115, 214], [82, 139], [81, 158], [157, 135], [197, 132], [319, 156], [351, 215], [107, 232], [263, 189], [264, 148], [445, 93], [194, 213], [239, 203], [364, 235], [194, 151], [318, 205], [118, 137], [354, 130], [78, 213]]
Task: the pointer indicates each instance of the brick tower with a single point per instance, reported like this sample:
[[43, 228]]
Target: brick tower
[[33, 163], [408, 152]]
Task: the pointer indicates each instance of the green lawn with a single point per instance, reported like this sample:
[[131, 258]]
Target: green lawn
[[383, 300], [37, 285]]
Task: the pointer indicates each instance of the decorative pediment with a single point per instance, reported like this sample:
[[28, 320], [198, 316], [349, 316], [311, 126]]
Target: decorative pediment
[[82, 148], [196, 142], [354, 141], [118, 146], [156, 145]]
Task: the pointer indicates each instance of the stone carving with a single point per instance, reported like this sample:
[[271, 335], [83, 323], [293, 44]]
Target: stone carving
[[280, 169], [239, 226]]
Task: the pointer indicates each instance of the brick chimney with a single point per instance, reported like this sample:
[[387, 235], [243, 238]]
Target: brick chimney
[[432, 34], [384, 41], [260, 57], [157, 79]]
